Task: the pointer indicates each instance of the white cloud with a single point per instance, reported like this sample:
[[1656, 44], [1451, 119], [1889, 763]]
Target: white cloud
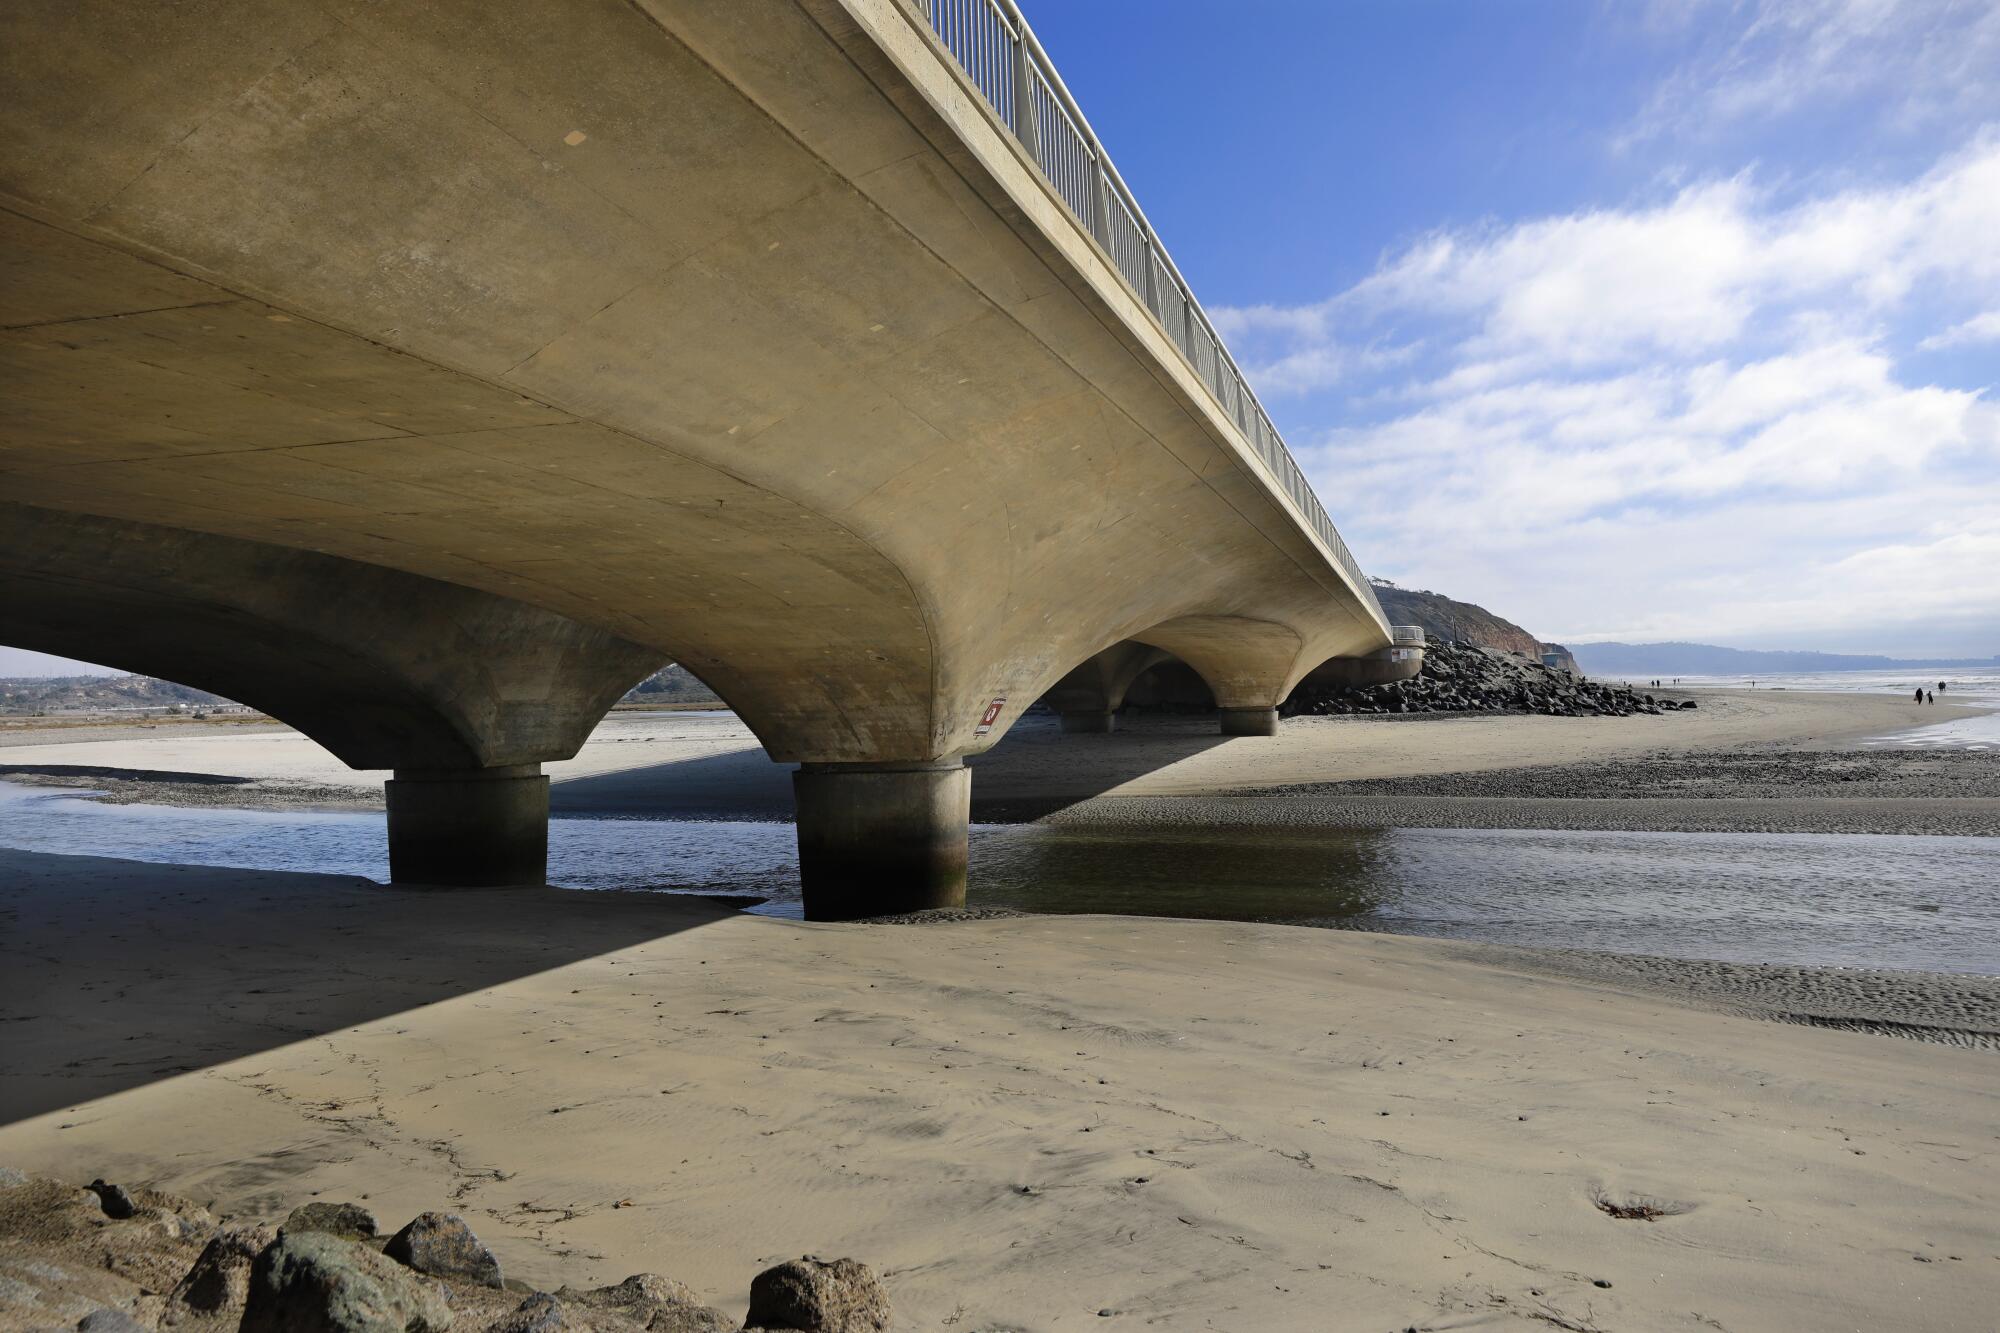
[[1979, 329], [1715, 263], [1687, 420], [1918, 63]]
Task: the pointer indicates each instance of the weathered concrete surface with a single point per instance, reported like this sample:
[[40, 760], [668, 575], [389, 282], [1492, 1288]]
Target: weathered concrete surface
[[1089, 696], [876, 840], [481, 828], [385, 669], [742, 334], [1382, 667], [1249, 721], [463, 694]]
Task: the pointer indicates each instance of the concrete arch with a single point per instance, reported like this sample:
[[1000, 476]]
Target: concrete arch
[[749, 341], [463, 695], [1249, 665], [385, 669], [1089, 696]]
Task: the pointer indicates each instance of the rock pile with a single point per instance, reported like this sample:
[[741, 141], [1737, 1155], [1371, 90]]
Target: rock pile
[[1458, 678], [112, 1259]]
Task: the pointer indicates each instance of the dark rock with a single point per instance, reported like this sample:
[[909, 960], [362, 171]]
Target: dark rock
[[117, 1202], [692, 1319], [1460, 678], [315, 1283], [540, 1313], [349, 1220], [839, 1297], [220, 1278], [638, 1290], [442, 1245], [657, 1303], [108, 1320]]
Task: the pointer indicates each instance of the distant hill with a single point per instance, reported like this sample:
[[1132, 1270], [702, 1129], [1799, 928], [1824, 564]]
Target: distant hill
[[48, 694], [1460, 622], [671, 684], [1706, 659]]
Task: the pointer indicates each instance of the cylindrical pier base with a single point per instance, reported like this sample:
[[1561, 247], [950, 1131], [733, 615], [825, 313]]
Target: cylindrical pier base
[[875, 839], [469, 828], [1095, 722], [1249, 721]]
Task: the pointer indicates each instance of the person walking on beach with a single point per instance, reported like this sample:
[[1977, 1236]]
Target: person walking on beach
[[1920, 694], [1930, 698]]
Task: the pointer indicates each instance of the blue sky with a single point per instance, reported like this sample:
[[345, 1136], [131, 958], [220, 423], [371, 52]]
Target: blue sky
[[1628, 321]]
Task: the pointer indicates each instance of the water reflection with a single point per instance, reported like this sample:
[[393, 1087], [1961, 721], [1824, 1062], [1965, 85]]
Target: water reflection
[[1864, 900], [1269, 874]]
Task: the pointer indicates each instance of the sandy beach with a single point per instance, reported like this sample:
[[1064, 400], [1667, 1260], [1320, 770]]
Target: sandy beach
[[1022, 1122], [1054, 1122], [708, 765]]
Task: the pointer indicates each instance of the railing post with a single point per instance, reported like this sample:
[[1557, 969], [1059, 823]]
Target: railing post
[[1095, 193], [971, 42], [1025, 128]]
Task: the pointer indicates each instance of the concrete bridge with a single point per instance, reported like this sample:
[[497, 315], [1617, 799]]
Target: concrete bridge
[[424, 375]]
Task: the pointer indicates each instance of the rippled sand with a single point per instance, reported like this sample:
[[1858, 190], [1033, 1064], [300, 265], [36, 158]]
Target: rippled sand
[[1021, 1122]]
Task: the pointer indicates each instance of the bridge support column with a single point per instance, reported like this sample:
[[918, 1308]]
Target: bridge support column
[[875, 839], [1100, 721], [469, 828], [1249, 721]]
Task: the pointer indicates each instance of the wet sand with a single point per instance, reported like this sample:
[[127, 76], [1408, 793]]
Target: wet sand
[[1028, 1122], [1022, 1121], [1791, 754]]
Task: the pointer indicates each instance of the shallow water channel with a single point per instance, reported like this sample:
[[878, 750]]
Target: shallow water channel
[[1868, 900]]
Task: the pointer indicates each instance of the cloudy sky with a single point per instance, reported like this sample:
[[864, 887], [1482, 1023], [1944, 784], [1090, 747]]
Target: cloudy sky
[[1633, 322], [1629, 321]]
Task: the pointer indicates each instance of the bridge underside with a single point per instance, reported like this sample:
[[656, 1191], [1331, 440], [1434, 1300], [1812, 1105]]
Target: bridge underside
[[423, 375]]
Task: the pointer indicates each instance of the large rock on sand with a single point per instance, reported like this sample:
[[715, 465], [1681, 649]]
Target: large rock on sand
[[578, 1312], [843, 1296], [540, 1313], [116, 1199], [108, 1320], [658, 1304], [442, 1245], [350, 1221], [220, 1278], [315, 1283]]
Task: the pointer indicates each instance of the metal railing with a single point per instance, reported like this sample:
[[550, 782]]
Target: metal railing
[[1404, 634], [993, 44]]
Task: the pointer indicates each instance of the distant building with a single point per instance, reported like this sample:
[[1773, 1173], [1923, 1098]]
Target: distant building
[[1558, 658]]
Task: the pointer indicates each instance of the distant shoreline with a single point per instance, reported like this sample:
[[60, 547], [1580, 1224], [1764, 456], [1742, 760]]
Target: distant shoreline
[[1762, 761]]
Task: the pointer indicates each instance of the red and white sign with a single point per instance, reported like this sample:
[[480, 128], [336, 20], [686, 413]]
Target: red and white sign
[[990, 716]]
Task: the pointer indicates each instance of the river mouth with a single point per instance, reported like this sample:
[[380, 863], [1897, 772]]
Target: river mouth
[[1818, 899]]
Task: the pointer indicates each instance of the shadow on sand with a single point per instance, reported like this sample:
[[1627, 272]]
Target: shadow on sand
[[1035, 771], [117, 973]]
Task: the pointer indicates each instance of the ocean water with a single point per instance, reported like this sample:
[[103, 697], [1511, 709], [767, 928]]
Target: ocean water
[[1928, 728], [1827, 899]]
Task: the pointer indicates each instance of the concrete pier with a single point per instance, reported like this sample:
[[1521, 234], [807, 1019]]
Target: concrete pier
[[875, 839], [469, 828], [1249, 721], [791, 364], [1096, 721]]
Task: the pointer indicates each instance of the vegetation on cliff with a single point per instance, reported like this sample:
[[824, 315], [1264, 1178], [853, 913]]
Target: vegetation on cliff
[[1444, 618]]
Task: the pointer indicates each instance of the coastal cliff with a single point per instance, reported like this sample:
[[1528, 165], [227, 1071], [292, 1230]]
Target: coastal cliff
[[1454, 621]]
